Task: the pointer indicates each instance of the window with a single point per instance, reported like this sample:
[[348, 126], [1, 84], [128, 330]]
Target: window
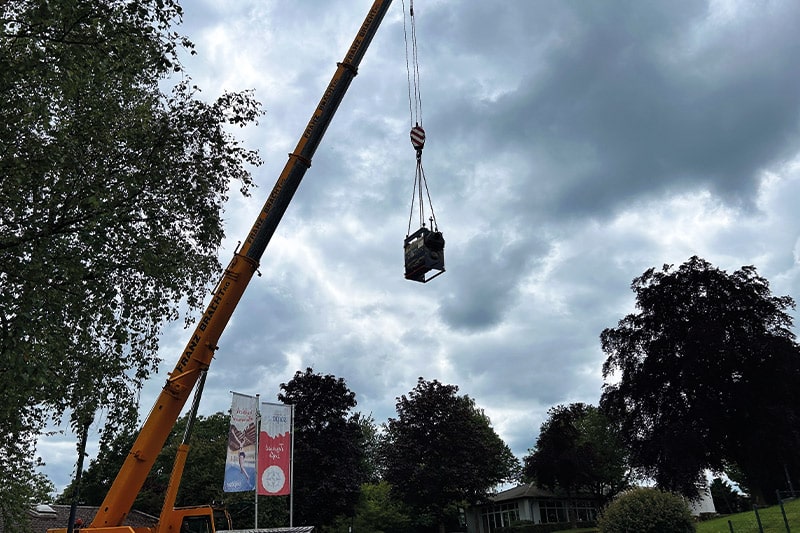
[[552, 511], [196, 524], [500, 515], [585, 510], [557, 511]]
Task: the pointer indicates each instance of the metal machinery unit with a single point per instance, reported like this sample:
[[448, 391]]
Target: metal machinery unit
[[424, 252]]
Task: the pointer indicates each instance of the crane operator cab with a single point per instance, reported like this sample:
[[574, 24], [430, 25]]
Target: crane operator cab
[[424, 252]]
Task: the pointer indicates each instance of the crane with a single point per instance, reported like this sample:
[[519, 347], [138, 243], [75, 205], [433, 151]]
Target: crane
[[199, 351]]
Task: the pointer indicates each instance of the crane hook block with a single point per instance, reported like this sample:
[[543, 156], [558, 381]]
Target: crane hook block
[[424, 252], [417, 137]]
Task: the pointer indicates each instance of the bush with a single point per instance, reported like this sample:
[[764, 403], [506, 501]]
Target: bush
[[647, 511]]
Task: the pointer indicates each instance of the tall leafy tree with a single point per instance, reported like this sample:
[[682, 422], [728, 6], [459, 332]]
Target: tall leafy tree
[[706, 376], [577, 451], [111, 189], [329, 455], [441, 451]]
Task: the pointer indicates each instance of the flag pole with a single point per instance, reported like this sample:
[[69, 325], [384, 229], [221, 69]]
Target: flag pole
[[258, 431], [291, 470]]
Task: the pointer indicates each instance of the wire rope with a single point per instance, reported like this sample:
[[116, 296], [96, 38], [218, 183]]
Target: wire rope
[[415, 114], [412, 67]]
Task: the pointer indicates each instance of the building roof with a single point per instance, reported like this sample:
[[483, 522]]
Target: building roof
[[48, 516], [528, 490]]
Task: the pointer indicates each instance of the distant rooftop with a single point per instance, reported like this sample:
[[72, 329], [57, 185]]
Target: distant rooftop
[[48, 516]]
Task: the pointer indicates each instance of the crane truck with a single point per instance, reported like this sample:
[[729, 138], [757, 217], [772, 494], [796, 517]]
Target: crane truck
[[196, 357]]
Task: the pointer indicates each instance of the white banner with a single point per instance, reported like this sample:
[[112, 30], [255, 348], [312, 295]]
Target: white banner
[[240, 463]]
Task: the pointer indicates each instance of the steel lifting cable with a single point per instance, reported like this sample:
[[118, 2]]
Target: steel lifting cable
[[415, 112], [412, 70]]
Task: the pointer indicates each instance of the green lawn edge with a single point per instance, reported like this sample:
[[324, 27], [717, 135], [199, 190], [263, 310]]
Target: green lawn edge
[[771, 521]]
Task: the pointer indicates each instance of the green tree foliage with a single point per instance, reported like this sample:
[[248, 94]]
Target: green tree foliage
[[726, 499], [370, 443], [707, 377], [377, 511], [441, 451], [578, 451], [329, 458], [111, 188], [647, 510]]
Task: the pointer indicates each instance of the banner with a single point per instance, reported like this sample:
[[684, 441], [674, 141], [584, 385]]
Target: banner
[[240, 463], [274, 450]]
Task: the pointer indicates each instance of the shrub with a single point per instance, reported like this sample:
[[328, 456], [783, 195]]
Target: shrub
[[647, 511]]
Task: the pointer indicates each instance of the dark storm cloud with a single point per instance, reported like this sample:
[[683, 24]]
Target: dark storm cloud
[[622, 99]]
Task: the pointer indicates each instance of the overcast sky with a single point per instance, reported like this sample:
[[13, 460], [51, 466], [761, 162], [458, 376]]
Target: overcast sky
[[572, 145]]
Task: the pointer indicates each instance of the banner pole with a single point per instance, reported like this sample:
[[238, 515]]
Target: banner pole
[[258, 432], [291, 471]]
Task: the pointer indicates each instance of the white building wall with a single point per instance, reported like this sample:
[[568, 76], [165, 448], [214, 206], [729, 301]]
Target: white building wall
[[536, 512], [704, 505]]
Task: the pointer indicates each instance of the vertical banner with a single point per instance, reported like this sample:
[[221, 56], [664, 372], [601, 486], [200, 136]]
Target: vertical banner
[[240, 463], [274, 450]]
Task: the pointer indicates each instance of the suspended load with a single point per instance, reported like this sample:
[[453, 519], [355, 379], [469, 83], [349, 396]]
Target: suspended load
[[424, 248]]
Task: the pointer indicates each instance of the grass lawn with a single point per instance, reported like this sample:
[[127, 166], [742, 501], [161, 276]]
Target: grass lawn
[[771, 520]]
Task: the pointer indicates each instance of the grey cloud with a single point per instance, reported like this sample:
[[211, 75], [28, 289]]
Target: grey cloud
[[622, 106], [487, 272]]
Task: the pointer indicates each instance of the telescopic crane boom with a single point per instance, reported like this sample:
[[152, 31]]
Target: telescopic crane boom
[[199, 351]]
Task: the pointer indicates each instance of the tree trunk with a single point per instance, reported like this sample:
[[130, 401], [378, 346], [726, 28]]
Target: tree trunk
[[572, 516], [79, 470]]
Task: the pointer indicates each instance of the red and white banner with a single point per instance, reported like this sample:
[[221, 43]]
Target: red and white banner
[[274, 450], [240, 463]]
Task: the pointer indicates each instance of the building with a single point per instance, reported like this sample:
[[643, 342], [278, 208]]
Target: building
[[44, 517], [528, 503]]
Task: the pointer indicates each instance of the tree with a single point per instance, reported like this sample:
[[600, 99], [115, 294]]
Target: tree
[[110, 197], [377, 510], [577, 451], [329, 459], [726, 499], [370, 444], [708, 378], [441, 451]]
